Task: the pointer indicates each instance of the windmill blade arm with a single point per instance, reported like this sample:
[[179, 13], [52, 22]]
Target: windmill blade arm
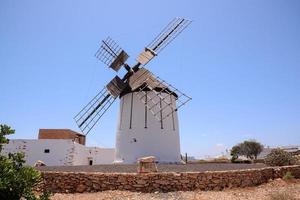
[[169, 33], [94, 110], [87, 118]]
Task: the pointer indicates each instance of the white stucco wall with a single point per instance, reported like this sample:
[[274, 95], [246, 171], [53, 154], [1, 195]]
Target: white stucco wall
[[80, 155], [101, 155], [61, 152], [83, 154], [156, 139]]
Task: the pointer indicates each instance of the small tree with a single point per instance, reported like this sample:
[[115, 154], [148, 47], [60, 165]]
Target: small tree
[[16, 180], [249, 148], [235, 152], [4, 131]]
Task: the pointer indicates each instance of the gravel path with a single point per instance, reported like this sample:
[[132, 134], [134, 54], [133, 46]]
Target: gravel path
[[131, 168]]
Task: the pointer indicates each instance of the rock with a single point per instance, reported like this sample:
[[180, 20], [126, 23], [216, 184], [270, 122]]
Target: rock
[[39, 163], [96, 186], [80, 188], [147, 164], [141, 182], [162, 182], [147, 159], [138, 185]]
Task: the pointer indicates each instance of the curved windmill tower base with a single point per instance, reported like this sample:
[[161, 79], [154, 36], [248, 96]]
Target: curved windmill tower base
[[140, 134]]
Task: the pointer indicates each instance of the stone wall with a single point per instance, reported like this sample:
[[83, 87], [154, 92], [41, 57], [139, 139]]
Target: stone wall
[[70, 182]]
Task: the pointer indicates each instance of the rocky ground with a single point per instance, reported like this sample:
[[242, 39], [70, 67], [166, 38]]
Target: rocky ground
[[274, 190], [161, 167]]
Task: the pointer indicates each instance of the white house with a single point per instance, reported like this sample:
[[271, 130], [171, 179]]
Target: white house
[[58, 147]]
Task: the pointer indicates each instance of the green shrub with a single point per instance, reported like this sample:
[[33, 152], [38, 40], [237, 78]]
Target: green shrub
[[242, 161], [16, 180], [279, 157], [297, 159], [288, 176]]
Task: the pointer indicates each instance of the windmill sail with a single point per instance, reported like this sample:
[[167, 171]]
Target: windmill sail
[[161, 104], [111, 54], [115, 86], [94, 110], [169, 33]]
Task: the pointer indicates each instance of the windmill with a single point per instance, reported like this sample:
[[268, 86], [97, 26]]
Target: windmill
[[148, 122]]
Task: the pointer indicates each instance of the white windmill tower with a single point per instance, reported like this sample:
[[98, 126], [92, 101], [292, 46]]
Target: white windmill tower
[[148, 121]]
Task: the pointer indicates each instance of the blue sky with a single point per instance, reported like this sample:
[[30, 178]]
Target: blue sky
[[238, 60]]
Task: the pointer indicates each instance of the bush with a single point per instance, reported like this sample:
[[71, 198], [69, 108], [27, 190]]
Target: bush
[[296, 159], [288, 176], [242, 161], [261, 160], [279, 157], [17, 181]]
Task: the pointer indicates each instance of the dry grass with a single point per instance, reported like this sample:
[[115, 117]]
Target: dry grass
[[282, 196]]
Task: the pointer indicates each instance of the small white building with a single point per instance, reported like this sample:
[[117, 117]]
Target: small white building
[[58, 147]]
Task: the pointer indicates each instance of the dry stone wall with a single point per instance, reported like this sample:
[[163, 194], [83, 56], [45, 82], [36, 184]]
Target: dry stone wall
[[71, 182]]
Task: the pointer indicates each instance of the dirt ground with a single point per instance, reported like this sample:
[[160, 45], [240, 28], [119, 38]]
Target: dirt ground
[[274, 190]]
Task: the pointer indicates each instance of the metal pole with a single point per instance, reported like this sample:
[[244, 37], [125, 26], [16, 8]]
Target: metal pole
[[186, 158]]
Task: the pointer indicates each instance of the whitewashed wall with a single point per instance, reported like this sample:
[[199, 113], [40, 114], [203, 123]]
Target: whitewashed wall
[[80, 155], [83, 154], [101, 155], [135, 139], [61, 152]]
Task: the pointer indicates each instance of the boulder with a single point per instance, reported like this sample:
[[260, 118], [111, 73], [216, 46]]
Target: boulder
[[147, 164], [39, 163]]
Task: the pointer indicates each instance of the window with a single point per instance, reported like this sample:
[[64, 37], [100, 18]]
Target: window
[[47, 151], [91, 162], [133, 140]]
